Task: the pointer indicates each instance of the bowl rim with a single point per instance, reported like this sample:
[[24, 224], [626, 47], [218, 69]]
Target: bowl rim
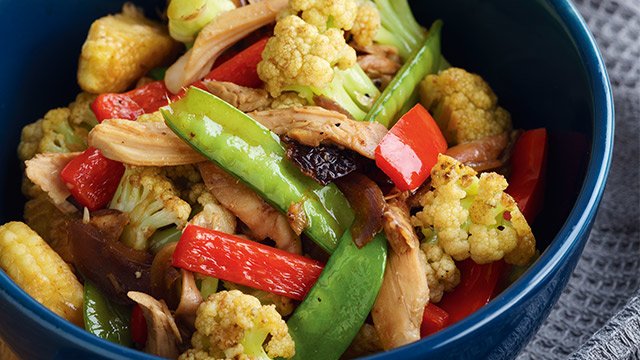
[[569, 239]]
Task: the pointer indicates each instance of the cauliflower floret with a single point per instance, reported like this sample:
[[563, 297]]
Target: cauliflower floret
[[300, 55], [61, 130], [442, 273], [30, 140], [284, 306], [151, 202], [288, 100], [183, 177], [359, 17], [120, 49], [463, 105], [324, 14], [81, 113], [472, 217], [212, 215], [367, 23], [232, 325], [59, 136]]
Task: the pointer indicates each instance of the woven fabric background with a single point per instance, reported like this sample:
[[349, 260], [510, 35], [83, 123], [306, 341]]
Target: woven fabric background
[[598, 315]]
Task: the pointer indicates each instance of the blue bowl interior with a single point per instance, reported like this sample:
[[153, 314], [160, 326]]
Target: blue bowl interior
[[537, 56]]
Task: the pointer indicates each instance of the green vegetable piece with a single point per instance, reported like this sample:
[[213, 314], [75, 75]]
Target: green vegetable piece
[[188, 17], [163, 237], [208, 286], [399, 27], [330, 316], [424, 61], [249, 151], [352, 89], [157, 73], [105, 319]]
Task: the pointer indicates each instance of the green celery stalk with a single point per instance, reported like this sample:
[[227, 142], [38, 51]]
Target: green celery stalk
[[424, 61], [252, 153]]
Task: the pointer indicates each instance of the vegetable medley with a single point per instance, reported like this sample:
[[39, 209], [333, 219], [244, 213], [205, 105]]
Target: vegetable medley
[[303, 179]]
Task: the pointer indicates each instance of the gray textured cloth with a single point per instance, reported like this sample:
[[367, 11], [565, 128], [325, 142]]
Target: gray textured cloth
[[598, 315]]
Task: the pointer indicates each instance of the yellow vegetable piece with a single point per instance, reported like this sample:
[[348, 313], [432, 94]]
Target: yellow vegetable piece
[[120, 49], [40, 271]]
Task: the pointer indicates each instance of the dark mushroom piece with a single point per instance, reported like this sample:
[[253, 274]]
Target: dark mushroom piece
[[98, 255]]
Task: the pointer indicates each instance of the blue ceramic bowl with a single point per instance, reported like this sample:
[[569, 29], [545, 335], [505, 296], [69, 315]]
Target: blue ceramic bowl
[[537, 54]]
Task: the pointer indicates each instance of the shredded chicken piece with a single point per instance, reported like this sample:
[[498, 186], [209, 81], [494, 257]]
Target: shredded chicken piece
[[243, 98], [154, 144], [142, 144], [397, 225], [387, 51], [397, 312], [216, 37], [44, 171], [330, 104], [380, 62], [297, 217], [312, 125], [377, 65], [263, 219], [163, 336]]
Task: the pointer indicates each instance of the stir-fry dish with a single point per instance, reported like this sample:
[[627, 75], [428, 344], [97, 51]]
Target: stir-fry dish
[[305, 179]]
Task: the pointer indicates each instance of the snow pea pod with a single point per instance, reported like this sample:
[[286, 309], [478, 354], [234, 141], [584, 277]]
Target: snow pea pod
[[255, 155], [105, 319], [424, 61], [335, 308]]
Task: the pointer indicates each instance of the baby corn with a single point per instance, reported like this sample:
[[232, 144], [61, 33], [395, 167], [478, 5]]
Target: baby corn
[[40, 271]]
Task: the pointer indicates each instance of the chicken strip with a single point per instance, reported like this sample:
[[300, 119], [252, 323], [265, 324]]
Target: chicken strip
[[397, 312], [397, 224], [163, 335], [312, 125], [44, 171], [263, 220], [377, 65], [142, 143], [243, 98]]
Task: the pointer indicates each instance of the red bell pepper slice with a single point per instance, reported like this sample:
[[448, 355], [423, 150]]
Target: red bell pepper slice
[[245, 262], [138, 326], [410, 149], [143, 100], [115, 106], [241, 69], [476, 289], [92, 179], [528, 166], [434, 319]]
